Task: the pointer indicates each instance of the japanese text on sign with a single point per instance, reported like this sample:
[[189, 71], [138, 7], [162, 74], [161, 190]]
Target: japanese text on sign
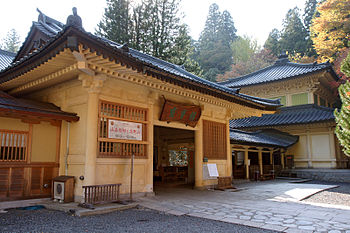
[[124, 130], [188, 115]]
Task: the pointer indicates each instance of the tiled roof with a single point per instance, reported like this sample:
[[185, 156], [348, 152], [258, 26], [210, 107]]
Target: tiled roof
[[11, 105], [6, 58], [145, 60], [301, 114], [281, 70], [265, 137], [180, 71], [48, 26]]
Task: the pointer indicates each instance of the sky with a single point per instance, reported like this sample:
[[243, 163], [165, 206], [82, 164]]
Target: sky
[[255, 18]]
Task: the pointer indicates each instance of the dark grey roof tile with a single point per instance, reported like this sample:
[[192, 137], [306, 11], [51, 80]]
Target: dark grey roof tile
[[278, 71], [301, 114], [6, 58], [265, 137]]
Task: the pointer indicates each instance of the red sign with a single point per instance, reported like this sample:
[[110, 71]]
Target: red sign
[[187, 114]]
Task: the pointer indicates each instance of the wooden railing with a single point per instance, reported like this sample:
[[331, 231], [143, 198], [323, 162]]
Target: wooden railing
[[99, 194]]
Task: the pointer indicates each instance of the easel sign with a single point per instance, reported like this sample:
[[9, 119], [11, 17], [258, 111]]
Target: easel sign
[[210, 171]]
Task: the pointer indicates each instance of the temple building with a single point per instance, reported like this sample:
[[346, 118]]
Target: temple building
[[305, 91], [76, 104]]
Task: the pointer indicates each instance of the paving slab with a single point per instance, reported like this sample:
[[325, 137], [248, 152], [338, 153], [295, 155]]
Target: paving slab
[[273, 205]]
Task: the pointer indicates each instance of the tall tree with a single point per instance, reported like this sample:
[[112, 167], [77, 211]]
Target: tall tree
[[294, 35], [11, 42], [309, 13], [330, 32], [215, 55], [272, 43], [243, 48], [342, 117], [115, 23], [151, 26]]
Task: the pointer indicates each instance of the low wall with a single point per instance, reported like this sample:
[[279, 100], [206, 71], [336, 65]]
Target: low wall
[[334, 175]]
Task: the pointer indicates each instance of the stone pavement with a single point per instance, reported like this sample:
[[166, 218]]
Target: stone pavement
[[273, 205]]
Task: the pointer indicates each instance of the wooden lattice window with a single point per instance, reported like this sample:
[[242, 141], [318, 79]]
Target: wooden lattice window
[[122, 131], [214, 140], [13, 146]]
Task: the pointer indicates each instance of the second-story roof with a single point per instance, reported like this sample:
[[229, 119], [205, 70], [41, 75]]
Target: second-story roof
[[282, 69], [294, 115], [6, 58]]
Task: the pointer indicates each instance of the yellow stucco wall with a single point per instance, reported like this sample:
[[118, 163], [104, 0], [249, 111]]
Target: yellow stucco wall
[[44, 142], [13, 124], [315, 148]]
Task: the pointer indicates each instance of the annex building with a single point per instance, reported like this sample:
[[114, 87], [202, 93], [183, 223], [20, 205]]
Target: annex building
[[307, 113]]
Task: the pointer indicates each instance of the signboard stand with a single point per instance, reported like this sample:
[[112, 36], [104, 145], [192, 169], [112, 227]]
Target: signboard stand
[[131, 173]]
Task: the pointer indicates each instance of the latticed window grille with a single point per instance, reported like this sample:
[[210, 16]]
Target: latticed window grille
[[13, 146], [113, 147], [214, 140]]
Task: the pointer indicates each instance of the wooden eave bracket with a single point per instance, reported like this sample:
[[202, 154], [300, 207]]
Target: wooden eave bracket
[[82, 63]]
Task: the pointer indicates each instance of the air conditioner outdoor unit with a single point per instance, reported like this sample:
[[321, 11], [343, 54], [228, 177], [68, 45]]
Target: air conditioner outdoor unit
[[58, 191], [63, 188]]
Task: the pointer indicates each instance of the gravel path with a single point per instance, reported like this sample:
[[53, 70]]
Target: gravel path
[[133, 220], [335, 196]]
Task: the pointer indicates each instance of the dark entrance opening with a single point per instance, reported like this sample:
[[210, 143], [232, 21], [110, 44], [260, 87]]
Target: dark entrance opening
[[173, 157]]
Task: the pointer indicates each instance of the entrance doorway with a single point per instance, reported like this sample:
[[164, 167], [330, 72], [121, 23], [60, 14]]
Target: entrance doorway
[[173, 157]]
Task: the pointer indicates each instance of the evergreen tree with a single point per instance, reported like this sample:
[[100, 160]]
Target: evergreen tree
[[342, 117], [115, 24], [309, 13], [11, 42], [152, 27], [294, 35], [272, 42], [183, 50], [215, 54]]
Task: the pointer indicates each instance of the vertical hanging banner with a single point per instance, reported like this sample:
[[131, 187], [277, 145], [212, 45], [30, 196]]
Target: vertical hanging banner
[[187, 114], [124, 130]]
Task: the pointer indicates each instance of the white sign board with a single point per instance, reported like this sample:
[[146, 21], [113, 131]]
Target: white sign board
[[124, 130], [210, 171]]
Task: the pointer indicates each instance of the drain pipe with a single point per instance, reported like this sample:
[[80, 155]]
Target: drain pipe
[[67, 149]]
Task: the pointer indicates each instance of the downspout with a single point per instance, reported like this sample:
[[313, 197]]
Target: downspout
[[67, 150]]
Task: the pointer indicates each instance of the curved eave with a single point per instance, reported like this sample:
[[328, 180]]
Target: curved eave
[[7, 111]]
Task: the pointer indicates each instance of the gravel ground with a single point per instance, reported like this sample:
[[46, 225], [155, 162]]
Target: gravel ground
[[132, 220], [335, 196]]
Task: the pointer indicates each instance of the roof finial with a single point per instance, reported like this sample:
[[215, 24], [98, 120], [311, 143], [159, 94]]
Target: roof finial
[[282, 58], [74, 20], [41, 17]]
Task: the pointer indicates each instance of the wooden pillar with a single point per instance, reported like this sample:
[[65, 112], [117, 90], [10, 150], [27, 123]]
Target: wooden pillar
[[309, 149], [282, 159], [260, 161], [91, 138], [93, 85], [271, 156], [229, 151], [198, 157], [246, 163], [150, 138]]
